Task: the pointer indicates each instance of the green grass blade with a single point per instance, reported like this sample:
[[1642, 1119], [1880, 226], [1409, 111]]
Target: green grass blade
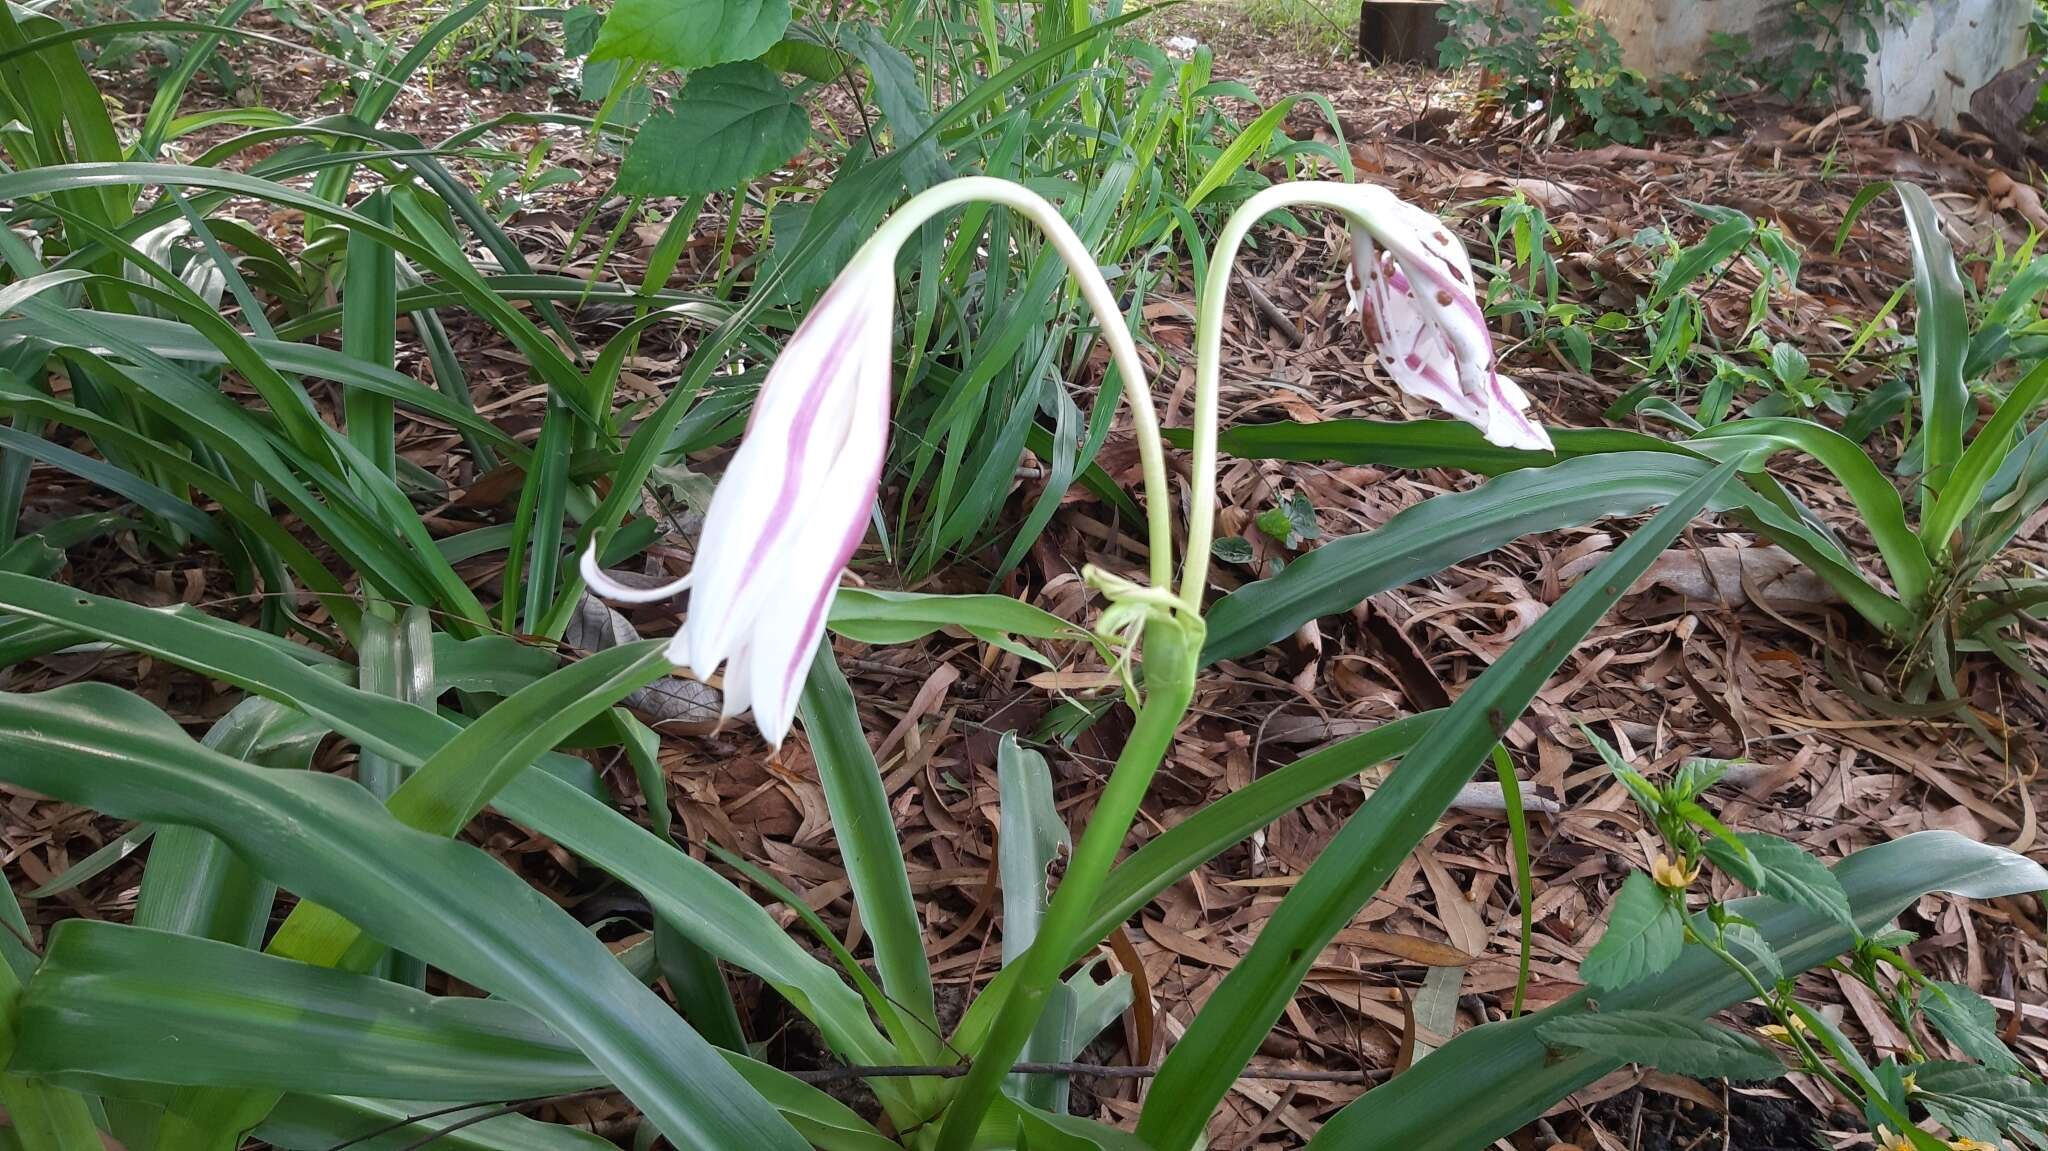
[[1525, 890]]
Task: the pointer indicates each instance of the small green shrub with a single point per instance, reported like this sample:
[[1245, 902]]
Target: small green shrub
[[1569, 66]]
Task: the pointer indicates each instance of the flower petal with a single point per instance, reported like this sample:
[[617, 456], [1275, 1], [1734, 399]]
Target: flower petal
[[769, 495], [603, 584], [807, 570], [1421, 313]]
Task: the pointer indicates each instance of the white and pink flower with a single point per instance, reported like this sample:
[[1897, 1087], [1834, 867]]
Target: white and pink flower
[[792, 506], [1412, 284]]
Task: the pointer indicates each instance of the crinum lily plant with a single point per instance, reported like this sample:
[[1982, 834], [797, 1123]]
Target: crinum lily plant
[[797, 497], [187, 1038], [796, 501]]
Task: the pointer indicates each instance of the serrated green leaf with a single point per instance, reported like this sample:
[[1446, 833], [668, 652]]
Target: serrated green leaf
[[730, 124], [1979, 1103], [1965, 1019], [1792, 875], [1644, 936], [690, 33], [1749, 945], [1674, 1043], [1646, 794], [1735, 861]]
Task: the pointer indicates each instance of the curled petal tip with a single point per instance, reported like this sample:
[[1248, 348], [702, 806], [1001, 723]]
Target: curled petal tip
[[611, 589]]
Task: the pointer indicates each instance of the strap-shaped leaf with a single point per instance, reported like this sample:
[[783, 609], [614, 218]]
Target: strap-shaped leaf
[[445, 901], [1201, 1068], [1492, 1079]]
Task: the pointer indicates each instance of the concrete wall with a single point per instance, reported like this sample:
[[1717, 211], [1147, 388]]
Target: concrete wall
[[1926, 66]]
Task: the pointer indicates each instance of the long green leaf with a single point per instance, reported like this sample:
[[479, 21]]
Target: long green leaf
[[1201, 1068], [1875, 497], [1415, 444], [1942, 331], [447, 902], [120, 1001], [369, 332], [866, 831], [541, 352], [1493, 1079], [1433, 535], [1984, 458], [716, 915]]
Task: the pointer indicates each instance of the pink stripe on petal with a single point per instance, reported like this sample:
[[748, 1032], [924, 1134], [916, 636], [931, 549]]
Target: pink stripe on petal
[[829, 373]]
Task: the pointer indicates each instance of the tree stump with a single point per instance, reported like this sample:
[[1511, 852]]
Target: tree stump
[[1400, 31]]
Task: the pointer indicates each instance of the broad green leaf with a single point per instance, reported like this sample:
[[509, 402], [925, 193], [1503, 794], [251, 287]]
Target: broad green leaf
[[1644, 936], [730, 124], [1967, 1021], [1992, 450], [718, 915], [690, 33], [232, 1016], [876, 616], [899, 90], [1884, 514], [1794, 875], [1491, 1080], [447, 902], [1666, 1041], [1200, 1070], [44, 1117], [196, 1012]]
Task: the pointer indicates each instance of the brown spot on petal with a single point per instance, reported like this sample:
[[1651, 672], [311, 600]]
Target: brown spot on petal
[[1440, 238], [1443, 298]]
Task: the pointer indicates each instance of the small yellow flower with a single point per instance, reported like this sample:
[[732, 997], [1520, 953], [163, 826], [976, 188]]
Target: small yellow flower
[[1777, 1032], [1672, 876], [1971, 1145], [1887, 1141], [1912, 1085]]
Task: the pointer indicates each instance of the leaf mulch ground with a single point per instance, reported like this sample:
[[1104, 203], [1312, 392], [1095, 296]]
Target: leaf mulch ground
[[1687, 666]]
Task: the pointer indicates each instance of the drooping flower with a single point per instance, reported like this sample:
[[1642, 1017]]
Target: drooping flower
[[792, 506], [1412, 283]]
